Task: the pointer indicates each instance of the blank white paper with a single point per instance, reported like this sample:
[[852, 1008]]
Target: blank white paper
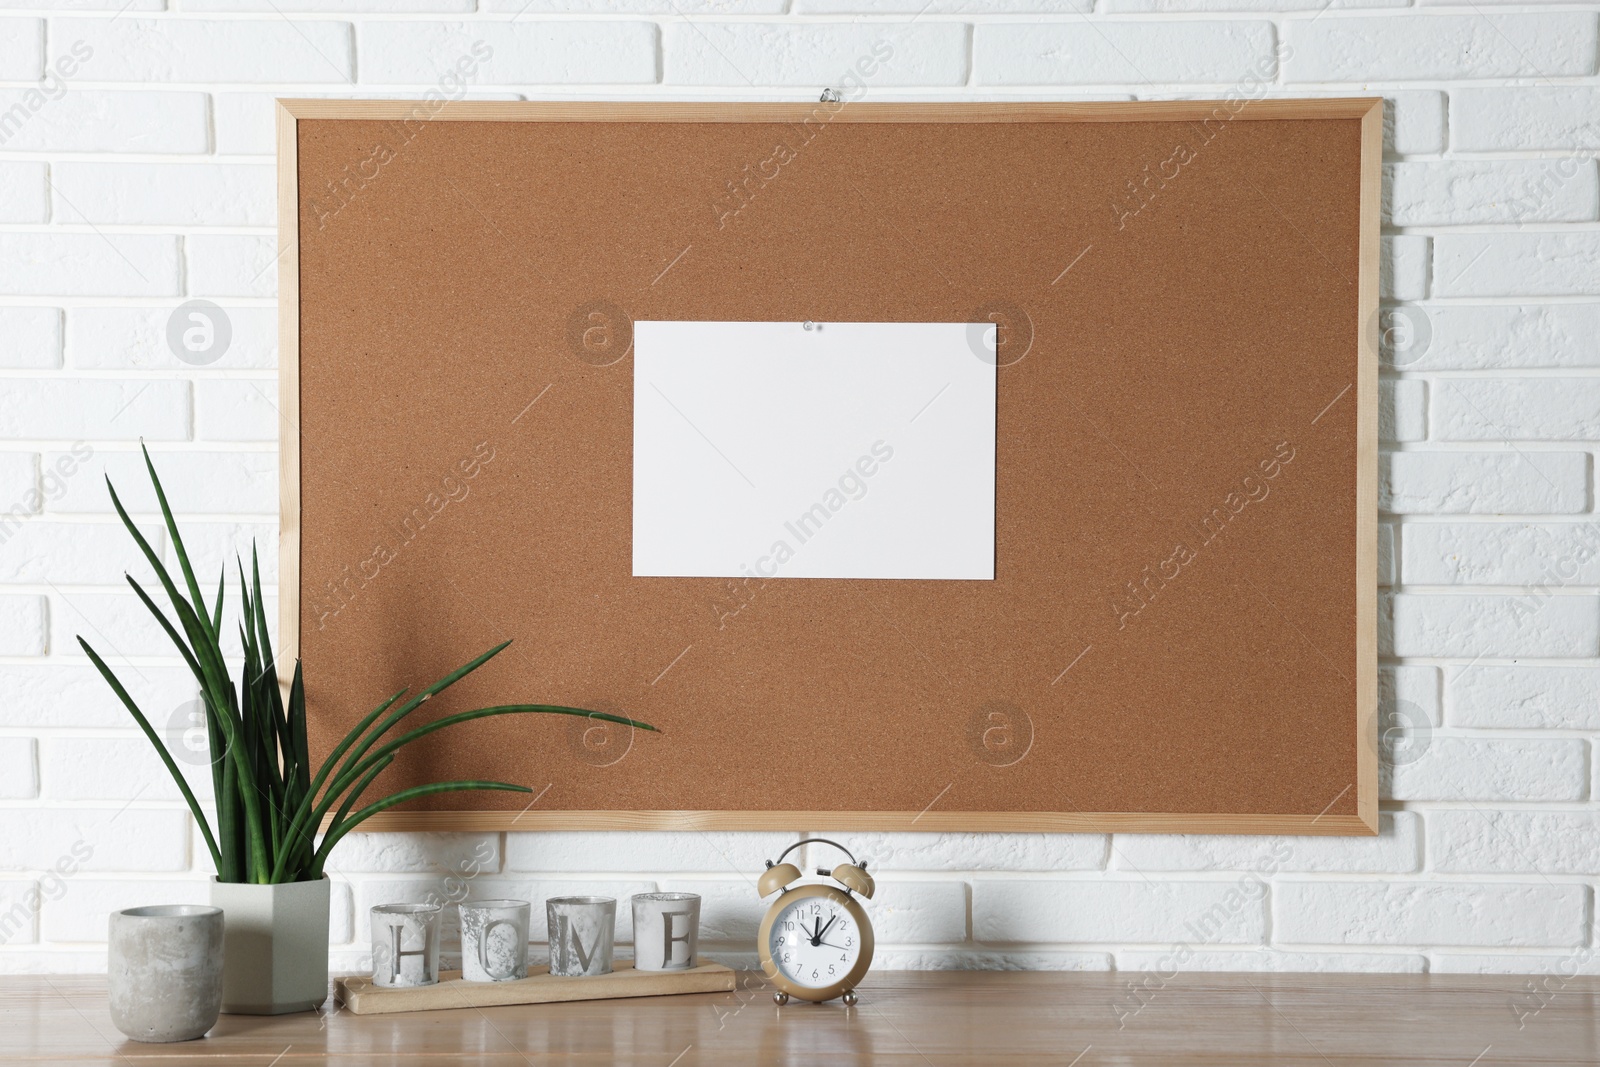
[[850, 450]]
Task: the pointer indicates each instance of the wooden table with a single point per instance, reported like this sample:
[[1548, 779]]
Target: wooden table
[[910, 1018]]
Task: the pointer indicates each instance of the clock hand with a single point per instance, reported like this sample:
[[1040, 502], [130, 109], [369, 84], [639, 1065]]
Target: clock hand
[[824, 930]]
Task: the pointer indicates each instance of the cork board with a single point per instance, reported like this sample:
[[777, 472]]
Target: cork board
[[1180, 635]]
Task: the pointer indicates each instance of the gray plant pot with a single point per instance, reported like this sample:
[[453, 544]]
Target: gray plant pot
[[165, 971], [276, 946]]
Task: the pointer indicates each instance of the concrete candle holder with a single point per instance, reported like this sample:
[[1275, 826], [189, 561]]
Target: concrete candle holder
[[405, 944], [494, 940], [582, 935], [666, 931]]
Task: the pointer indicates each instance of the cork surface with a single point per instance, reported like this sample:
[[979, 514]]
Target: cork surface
[[1173, 623]]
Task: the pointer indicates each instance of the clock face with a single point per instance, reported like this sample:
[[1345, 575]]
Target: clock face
[[815, 941]]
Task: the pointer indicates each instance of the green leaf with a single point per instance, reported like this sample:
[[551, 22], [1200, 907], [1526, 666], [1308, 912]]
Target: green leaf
[[215, 738], [499, 709], [216, 612], [205, 658], [312, 810], [355, 794], [160, 747], [160, 569], [166, 624], [234, 866], [414, 793], [296, 714], [302, 825], [416, 702], [172, 532], [269, 663], [348, 777], [201, 650], [270, 801]]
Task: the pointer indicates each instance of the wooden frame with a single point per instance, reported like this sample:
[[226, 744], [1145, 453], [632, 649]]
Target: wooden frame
[[1370, 113]]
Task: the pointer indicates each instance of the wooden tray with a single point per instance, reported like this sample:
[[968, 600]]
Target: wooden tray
[[359, 995]]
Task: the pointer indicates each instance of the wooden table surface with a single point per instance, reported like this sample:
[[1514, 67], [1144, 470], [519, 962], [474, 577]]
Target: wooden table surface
[[938, 1019]]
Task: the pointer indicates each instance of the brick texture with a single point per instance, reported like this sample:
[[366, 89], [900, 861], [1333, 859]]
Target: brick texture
[[137, 173]]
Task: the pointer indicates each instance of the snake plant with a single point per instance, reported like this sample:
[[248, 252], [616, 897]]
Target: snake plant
[[270, 801]]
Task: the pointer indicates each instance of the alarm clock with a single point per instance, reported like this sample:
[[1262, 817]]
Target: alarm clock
[[816, 941]]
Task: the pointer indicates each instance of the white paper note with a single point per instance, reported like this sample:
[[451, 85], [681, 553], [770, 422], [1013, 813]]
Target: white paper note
[[850, 450]]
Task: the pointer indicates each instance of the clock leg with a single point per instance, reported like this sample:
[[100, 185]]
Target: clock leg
[[850, 998], [780, 998]]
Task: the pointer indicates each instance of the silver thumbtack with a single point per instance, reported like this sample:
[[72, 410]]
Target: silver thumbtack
[[830, 96]]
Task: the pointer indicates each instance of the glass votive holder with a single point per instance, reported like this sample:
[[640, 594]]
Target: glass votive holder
[[666, 931], [582, 935], [494, 940], [405, 944]]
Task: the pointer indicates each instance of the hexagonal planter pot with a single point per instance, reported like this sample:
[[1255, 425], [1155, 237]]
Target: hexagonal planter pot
[[275, 946]]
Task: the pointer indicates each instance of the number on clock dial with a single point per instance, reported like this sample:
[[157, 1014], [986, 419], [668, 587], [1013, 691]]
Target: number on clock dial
[[815, 964]]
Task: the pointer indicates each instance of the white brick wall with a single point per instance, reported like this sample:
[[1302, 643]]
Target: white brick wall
[[1484, 483], [589, 53], [136, 173], [744, 54], [23, 625], [166, 194], [1517, 264], [22, 193], [33, 337], [1423, 194], [19, 775], [135, 338], [1550, 697], [72, 119], [88, 264], [1431, 913], [1481, 553], [167, 51], [1498, 336], [1493, 120], [1403, 266], [1445, 47], [1100, 53], [1424, 624]]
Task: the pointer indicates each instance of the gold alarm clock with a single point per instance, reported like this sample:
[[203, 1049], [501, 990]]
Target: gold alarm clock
[[816, 940]]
